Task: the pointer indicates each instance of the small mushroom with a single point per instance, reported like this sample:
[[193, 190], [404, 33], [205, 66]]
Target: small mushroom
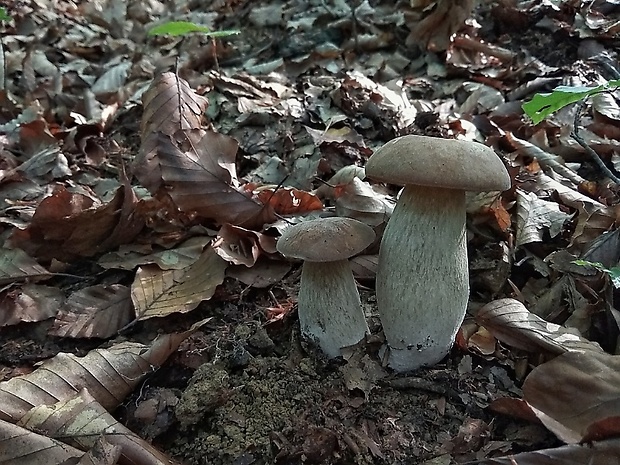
[[330, 312], [422, 276]]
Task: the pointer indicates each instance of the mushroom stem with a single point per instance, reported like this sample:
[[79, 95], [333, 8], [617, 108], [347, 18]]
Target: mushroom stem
[[422, 277], [330, 312]]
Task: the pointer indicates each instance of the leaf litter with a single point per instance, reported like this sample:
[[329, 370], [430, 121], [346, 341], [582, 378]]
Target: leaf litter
[[228, 140]]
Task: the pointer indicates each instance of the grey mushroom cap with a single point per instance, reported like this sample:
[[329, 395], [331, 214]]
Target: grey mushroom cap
[[325, 239], [435, 162]]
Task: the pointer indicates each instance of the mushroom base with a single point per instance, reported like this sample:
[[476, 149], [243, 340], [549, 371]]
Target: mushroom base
[[330, 312], [422, 277]]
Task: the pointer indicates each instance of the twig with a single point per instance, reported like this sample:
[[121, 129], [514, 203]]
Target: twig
[[589, 150]]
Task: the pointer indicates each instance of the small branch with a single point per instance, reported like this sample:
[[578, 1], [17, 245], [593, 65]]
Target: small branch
[[589, 150]]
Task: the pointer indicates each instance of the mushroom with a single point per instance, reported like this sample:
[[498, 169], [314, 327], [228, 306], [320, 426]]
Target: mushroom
[[329, 308], [422, 276]]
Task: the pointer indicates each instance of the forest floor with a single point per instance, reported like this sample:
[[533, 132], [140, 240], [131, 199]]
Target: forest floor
[[306, 88]]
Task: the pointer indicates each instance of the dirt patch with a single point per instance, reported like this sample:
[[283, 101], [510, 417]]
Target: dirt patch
[[255, 403]]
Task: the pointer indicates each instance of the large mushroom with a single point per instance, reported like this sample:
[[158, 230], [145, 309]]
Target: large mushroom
[[422, 276], [329, 308]]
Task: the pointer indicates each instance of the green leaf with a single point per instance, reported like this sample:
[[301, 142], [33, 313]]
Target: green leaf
[[543, 105], [614, 272], [180, 28], [3, 15]]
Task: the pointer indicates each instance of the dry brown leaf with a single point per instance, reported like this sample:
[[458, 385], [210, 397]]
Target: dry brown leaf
[[95, 311], [360, 201], [31, 303], [510, 322], [80, 420], [108, 374], [547, 160], [157, 293], [597, 453], [171, 104], [436, 29], [242, 246], [593, 219], [263, 273], [16, 265], [365, 266], [535, 216], [574, 391], [181, 256], [18, 446], [67, 225], [289, 201], [198, 171]]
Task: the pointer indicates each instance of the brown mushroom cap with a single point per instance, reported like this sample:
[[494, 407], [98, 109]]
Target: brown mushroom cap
[[434, 162], [325, 239]]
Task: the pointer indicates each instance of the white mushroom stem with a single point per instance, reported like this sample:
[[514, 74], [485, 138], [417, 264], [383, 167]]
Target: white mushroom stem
[[330, 312], [422, 277]]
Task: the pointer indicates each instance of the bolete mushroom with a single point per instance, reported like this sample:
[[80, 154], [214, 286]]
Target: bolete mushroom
[[329, 308], [422, 277]]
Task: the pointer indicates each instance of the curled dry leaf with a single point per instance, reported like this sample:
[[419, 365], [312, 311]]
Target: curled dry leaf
[[510, 322], [355, 198], [535, 216], [593, 218], [80, 420], [358, 200], [108, 374], [66, 225], [31, 303], [574, 391], [242, 246], [96, 311], [288, 200], [157, 292], [545, 159]]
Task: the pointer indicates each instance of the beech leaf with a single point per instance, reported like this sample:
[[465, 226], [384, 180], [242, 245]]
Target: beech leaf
[[108, 374], [157, 293]]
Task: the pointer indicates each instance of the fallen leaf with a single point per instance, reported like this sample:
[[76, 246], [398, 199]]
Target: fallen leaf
[[23, 447], [574, 391], [66, 226], [16, 265], [30, 303], [157, 293], [288, 200], [535, 216], [79, 420], [108, 374], [510, 322], [596, 453], [95, 311]]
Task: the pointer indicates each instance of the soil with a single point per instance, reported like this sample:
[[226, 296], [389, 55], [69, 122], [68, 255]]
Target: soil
[[266, 397]]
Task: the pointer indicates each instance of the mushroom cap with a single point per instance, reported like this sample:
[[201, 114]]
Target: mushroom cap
[[325, 239], [434, 162]]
